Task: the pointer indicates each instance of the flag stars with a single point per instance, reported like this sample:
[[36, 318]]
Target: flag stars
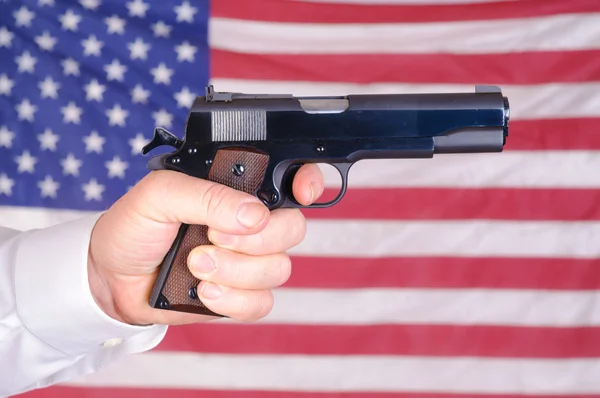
[[26, 110], [6, 137], [160, 29], [94, 142], [70, 67], [137, 144], [70, 21], [115, 70], [23, 16], [138, 49], [49, 88], [137, 8], [92, 46], [115, 25], [94, 91], [71, 113], [93, 190], [48, 140], [185, 12], [6, 37], [185, 52], [162, 74], [138, 94], [71, 165], [90, 4], [6, 185], [46, 42], [116, 167], [117, 115], [162, 118], [26, 62], [185, 98], [48, 187], [26, 162], [6, 85]]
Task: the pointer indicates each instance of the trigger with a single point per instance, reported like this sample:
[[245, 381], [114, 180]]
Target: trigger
[[162, 137]]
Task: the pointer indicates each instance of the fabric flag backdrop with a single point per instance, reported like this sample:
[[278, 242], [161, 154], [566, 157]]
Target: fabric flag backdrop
[[466, 276]]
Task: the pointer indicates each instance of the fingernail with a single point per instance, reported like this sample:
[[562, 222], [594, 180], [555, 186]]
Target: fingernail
[[251, 214], [202, 263], [313, 191], [210, 291]]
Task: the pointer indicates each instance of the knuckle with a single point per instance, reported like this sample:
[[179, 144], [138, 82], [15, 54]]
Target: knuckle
[[256, 305], [284, 269], [214, 198]]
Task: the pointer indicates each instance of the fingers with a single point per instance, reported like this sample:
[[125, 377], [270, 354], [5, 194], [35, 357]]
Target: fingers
[[224, 267], [238, 304], [286, 229], [175, 197], [308, 184]]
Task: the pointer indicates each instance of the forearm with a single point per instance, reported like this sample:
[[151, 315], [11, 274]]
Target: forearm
[[51, 328]]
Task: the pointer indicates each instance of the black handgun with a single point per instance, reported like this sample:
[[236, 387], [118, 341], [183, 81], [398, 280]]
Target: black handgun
[[255, 143]]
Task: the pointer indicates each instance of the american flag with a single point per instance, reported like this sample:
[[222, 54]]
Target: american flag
[[458, 276]]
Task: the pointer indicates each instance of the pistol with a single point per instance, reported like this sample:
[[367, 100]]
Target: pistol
[[255, 143]]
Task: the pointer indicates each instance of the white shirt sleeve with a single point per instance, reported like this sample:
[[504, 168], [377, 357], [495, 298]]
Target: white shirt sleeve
[[51, 329]]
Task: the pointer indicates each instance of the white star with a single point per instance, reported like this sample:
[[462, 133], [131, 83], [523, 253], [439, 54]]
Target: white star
[[92, 46], [117, 115], [6, 84], [185, 12], [6, 37], [137, 8], [70, 20], [46, 2], [70, 67], [26, 62], [137, 144], [48, 187], [162, 74], [26, 162], [26, 110], [48, 140], [23, 17], [93, 190], [71, 113], [185, 98], [115, 24], [162, 118], [139, 49], [115, 70], [94, 91], [93, 142], [6, 185], [71, 165], [49, 88], [138, 94], [161, 29], [90, 4], [186, 52], [116, 167], [45, 41], [6, 137]]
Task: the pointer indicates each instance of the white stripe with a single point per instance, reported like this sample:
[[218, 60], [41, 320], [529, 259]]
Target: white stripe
[[350, 373], [435, 306], [547, 33], [25, 218], [471, 238], [526, 101]]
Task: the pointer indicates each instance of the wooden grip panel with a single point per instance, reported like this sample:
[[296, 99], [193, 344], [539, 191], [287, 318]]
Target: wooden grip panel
[[241, 169]]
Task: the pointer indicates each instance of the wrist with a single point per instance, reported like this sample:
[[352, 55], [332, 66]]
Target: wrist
[[100, 288]]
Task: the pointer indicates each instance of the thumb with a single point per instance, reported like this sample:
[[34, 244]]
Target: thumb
[[172, 197]]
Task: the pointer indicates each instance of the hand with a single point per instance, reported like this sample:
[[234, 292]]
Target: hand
[[130, 240]]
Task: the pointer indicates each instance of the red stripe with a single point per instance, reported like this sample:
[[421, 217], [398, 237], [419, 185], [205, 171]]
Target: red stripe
[[95, 392], [299, 11], [555, 134], [416, 340], [510, 68], [453, 204], [442, 272]]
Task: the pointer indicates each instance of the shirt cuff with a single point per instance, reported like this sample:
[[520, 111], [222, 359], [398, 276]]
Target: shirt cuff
[[53, 293]]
